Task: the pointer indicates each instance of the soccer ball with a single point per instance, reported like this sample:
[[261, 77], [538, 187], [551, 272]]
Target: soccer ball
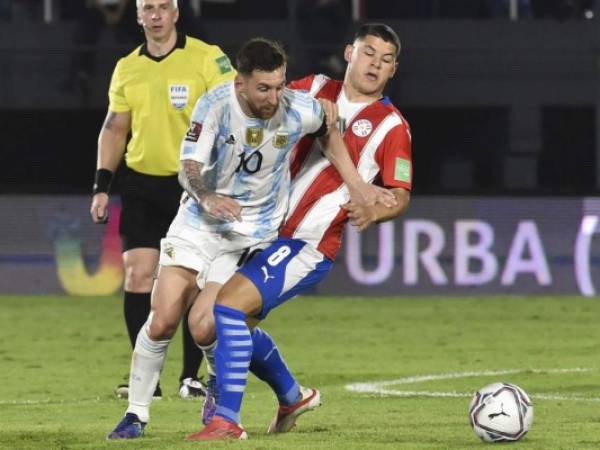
[[501, 412]]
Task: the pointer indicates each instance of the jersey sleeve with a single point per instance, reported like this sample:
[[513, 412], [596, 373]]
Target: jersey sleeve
[[303, 84], [394, 157], [313, 118], [217, 68], [198, 143], [116, 92]]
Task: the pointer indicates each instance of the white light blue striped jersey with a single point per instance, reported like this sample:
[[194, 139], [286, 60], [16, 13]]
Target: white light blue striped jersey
[[246, 158]]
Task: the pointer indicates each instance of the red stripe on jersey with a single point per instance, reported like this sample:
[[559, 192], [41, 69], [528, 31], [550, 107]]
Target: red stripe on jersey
[[332, 238], [303, 84], [330, 90], [329, 179], [299, 154]]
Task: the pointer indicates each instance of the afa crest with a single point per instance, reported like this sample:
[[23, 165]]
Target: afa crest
[[254, 136], [281, 139]]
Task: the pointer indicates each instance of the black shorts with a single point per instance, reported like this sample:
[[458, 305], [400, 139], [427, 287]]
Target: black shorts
[[149, 205]]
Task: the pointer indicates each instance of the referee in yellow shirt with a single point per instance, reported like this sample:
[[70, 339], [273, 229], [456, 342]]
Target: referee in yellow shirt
[[152, 93]]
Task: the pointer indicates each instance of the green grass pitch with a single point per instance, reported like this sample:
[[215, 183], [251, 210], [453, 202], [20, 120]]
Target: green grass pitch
[[60, 358]]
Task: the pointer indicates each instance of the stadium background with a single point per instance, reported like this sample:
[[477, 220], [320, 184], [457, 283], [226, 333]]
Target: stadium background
[[502, 96]]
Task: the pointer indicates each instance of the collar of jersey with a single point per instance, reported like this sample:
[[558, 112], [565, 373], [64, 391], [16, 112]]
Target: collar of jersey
[[180, 43]]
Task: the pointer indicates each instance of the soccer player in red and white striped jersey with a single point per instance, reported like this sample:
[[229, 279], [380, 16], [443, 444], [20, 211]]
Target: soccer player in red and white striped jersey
[[379, 142]]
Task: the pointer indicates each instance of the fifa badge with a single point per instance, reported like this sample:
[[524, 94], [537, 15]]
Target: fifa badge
[[179, 94], [254, 136]]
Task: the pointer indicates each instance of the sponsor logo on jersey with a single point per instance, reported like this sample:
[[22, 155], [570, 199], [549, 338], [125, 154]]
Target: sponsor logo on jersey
[[193, 132], [362, 127], [254, 136], [402, 172], [223, 64], [281, 139], [179, 94]]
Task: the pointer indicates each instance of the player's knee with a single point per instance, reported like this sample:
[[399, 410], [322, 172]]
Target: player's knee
[[138, 279], [228, 296], [162, 328], [239, 293], [203, 331]]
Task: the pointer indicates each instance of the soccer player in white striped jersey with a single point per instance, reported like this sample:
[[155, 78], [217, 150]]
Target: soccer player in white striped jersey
[[379, 143], [235, 172]]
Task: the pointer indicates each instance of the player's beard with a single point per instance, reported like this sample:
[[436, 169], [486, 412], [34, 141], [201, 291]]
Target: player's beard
[[264, 113]]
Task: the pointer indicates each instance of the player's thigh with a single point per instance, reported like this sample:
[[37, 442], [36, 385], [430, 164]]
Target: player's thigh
[[187, 247], [283, 270], [172, 290], [240, 294]]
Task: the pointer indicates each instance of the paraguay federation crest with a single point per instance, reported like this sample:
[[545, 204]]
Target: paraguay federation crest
[[179, 94], [254, 136], [362, 127]]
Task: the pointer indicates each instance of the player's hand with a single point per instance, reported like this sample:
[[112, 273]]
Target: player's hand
[[361, 216], [368, 194], [331, 113], [222, 207], [99, 209]]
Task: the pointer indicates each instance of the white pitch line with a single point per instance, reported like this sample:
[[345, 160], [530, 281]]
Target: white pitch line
[[381, 387]]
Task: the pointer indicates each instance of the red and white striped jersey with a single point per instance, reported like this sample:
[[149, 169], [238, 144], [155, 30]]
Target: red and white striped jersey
[[379, 142]]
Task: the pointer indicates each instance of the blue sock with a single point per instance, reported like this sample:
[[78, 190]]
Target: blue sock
[[268, 365], [232, 358]]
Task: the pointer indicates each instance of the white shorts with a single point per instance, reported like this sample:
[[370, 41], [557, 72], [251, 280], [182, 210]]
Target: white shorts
[[215, 256]]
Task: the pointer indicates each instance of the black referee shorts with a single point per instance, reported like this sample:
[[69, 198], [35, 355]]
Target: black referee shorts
[[149, 205]]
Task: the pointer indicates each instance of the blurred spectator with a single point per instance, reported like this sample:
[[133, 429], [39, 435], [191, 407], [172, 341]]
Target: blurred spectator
[[464, 9], [244, 9], [5, 6], [93, 19], [563, 9], [406, 9], [501, 9], [21, 10], [323, 26]]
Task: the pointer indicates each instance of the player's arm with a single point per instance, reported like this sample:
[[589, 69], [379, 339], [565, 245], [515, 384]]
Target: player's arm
[[361, 193], [362, 216], [395, 164], [335, 151], [196, 149], [111, 147], [218, 206]]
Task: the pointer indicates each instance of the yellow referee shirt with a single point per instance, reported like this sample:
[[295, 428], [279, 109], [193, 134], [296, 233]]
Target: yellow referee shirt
[[161, 94]]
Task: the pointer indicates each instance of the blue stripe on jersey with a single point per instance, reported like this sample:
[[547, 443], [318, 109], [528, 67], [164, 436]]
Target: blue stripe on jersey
[[205, 102], [301, 97], [281, 180]]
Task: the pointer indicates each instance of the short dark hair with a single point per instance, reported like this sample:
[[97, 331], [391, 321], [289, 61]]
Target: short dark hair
[[260, 54], [379, 30]]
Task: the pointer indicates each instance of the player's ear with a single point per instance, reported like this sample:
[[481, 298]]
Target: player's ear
[[239, 82], [348, 52], [176, 15], [394, 70]]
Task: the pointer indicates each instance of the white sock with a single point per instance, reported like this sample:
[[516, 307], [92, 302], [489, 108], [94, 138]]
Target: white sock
[[209, 357], [146, 364]]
